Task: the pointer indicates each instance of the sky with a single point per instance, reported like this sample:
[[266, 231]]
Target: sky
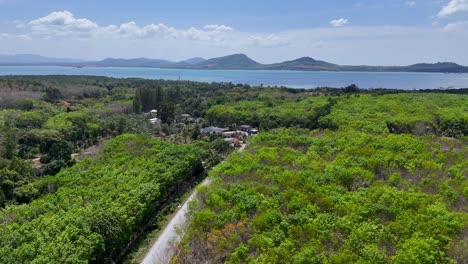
[[370, 32]]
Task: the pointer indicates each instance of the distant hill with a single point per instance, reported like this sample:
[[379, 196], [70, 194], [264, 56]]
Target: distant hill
[[437, 67], [33, 59], [303, 64], [235, 61], [194, 61], [138, 62]]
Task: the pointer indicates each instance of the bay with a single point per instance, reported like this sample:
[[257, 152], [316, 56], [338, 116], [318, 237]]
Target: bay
[[295, 79]]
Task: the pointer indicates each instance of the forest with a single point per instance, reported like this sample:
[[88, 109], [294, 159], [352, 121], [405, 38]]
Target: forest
[[336, 175], [374, 178]]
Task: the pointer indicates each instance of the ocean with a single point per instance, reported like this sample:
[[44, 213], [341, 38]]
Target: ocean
[[294, 79]]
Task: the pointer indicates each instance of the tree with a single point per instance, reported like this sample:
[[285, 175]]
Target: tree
[[11, 141], [60, 151], [52, 94], [166, 112], [137, 106]]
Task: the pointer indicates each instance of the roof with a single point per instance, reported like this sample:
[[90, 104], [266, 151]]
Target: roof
[[65, 103], [231, 140], [212, 129], [245, 126]]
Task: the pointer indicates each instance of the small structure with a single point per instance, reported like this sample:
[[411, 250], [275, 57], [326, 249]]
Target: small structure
[[233, 142], [155, 121], [229, 134], [213, 130], [65, 103], [187, 118], [245, 128], [249, 130], [153, 113]]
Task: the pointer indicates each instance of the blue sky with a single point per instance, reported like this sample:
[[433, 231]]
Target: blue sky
[[390, 32]]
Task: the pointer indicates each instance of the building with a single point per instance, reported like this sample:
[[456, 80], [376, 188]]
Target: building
[[233, 142], [229, 134], [155, 121], [187, 118], [213, 130], [249, 129], [245, 128]]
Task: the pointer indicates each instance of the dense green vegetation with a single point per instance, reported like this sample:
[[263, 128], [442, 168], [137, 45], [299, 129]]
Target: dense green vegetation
[[385, 182], [268, 113], [443, 115], [326, 197], [47, 120], [335, 176], [94, 207]]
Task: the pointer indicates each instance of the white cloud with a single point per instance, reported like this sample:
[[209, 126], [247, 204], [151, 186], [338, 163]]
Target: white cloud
[[270, 40], [218, 28], [58, 35], [6, 36], [62, 19], [60, 24], [339, 22], [453, 7], [131, 29], [63, 23], [457, 26], [410, 3]]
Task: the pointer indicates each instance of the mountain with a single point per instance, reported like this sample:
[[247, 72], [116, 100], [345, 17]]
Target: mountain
[[235, 61], [138, 62], [34, 59], [303, 64], [193, 61], [437, 67]]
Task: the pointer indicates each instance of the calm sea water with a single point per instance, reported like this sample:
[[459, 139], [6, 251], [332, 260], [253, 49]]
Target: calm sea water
[[297, 79]]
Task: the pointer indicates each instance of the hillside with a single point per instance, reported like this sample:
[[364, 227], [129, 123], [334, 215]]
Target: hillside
[[303, 64], [138, 62], [193, 61], [34, 59], [235, 61]]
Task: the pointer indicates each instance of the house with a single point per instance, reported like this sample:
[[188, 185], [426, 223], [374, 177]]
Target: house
[[187, 118], [229, 134], [232, 141], [245, 128], [213, 130], [249, 129]]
